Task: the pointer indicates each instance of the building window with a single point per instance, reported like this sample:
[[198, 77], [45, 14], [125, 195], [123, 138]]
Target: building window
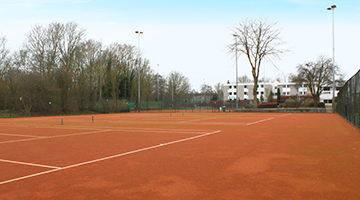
[[230, 87], [262, 92], [262, 86], [230, 93], [284, 93], [234, 86], [234, 93], [245, 93], [245, 86]]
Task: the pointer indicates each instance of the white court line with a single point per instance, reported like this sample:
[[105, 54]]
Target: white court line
[[126, 128], [196, 120], [161, 131], [29, 176], [14, 125], [110, 157], [143, 149], [285, 115], [19, 135], [56, 136], [75, 134], [263, 120], [30, 164], [22, 140]]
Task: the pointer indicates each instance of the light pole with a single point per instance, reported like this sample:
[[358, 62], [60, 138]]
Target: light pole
[[332, 8], [139, 33], [236, 58], [157, 80]]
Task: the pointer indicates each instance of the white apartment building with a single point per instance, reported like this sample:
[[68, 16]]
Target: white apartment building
[[245, 91]]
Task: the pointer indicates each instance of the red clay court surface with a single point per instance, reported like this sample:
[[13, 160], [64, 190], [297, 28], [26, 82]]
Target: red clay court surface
[[182, 156]]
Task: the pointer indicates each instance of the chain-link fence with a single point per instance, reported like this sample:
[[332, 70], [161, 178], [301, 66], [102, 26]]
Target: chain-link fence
[[26, 105], [348, 100]]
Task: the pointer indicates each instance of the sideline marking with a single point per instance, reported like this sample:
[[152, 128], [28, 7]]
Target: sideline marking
[[263, 120], [109, 157], [30, 164]]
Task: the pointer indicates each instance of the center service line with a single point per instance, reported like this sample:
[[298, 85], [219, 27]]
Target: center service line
[[140, 150]]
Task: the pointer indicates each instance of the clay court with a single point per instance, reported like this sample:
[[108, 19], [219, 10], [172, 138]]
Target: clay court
[[180, 156]]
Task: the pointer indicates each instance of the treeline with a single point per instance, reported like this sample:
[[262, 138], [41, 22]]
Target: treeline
[[58, 68]]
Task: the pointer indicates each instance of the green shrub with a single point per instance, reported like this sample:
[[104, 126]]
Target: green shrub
[[319, 105], [268, 105], [291, 103]]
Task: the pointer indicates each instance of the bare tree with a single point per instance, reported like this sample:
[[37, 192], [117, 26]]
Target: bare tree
[[219, 91], [207, 92], [257, 40], [316, 76], [4, 62], [178, 85], [244, 79]]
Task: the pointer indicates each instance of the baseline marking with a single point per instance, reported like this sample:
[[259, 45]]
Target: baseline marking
[[263, 120], [109, 157]]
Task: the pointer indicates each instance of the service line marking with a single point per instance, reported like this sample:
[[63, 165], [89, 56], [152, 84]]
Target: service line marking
[[196, 120], [19, 135], [285, 115], [110, 157], [263, 120], [30, 164], [50, 137]]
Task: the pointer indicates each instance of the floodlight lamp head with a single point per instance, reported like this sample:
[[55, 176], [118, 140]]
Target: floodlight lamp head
[[333, 6]]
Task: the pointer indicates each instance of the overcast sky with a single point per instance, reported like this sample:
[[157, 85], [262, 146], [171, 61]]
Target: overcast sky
[[190, 36]]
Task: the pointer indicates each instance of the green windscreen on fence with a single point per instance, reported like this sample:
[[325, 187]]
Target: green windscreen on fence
[[348, 100], [132, 105]]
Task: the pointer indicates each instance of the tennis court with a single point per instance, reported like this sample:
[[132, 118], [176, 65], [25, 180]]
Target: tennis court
[[180, 156]]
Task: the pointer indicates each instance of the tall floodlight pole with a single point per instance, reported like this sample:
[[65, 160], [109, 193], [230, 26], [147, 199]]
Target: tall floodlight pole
[[139, 104], [332, 8], [157, 80], [236, 60]]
